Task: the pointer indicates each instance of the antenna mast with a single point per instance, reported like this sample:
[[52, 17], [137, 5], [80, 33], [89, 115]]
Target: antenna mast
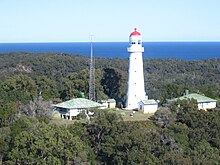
[[92, 73]]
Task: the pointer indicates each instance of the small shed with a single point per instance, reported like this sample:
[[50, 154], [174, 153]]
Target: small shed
[[110, 103], [148, 106], [70, 109]]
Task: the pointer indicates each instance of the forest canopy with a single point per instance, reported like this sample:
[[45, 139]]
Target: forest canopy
[[178, 134], [64, 76]]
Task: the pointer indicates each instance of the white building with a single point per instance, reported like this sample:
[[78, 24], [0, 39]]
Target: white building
[[110, 103], [136, 90], [148, 106], [70, 109], [204, 102]]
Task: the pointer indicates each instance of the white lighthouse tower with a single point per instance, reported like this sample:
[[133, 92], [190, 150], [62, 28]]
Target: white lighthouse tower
[[136, 90]]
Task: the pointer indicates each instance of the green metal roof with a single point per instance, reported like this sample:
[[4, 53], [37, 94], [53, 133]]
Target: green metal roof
[[149, 102], [198, 97], [78, 103], [109, 101]]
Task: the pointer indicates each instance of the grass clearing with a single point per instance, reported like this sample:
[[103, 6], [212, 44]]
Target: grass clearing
[[127, 115]]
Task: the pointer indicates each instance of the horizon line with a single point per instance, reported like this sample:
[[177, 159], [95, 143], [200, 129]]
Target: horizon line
[[107, 41]]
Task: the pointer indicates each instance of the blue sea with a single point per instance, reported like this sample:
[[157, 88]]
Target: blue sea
[[181, 50]]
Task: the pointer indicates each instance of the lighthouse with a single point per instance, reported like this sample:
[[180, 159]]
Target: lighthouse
[[136, 90]]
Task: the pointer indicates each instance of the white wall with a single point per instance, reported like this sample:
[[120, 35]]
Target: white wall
[[108, 105], [136, 90], [74, 112], [148, 108], [205, 106]]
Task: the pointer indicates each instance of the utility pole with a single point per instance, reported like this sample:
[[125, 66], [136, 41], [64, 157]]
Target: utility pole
[[92, 73]]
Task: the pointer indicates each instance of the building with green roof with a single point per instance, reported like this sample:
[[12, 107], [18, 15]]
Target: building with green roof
[[148, 106], [110, 103], [203, 101], [71, 108]]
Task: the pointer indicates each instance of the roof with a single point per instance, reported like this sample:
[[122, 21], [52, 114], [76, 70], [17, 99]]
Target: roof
[[135, 33], [149, 102], [111, 100], [198, 97], [108, 101], [78, 103]]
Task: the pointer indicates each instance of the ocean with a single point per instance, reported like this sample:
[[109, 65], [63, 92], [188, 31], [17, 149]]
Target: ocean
[[180, 50]]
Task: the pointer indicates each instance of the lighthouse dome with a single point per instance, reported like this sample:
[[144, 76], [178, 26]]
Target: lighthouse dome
[[135, 33], [135, 38]]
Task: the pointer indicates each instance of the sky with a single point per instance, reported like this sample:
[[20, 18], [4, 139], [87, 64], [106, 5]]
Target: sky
[[109, 20]]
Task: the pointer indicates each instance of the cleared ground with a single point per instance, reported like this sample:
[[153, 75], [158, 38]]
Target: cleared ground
[[127, 115]]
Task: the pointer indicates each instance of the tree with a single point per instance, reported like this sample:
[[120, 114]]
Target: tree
[[19, 88], [163, 117], [173, 91], [7, 113], [46, 87], [80, 130], [24, 123], [75, 84], [101, 124], [78, 82], [37, 108], [4, 142], [131, 143], [47, 144], [196, 133], [113, 82], [185, 110]]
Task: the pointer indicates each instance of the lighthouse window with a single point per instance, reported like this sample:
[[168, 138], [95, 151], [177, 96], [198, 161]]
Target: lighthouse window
[[139, 41], [132, 41]]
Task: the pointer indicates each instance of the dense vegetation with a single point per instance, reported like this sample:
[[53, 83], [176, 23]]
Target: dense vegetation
[[179, 134], [63, 76]]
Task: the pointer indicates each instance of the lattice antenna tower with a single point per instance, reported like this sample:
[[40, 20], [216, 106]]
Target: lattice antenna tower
[[92, 73]]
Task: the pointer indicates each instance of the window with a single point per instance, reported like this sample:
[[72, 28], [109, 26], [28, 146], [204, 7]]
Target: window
[[132, 42]]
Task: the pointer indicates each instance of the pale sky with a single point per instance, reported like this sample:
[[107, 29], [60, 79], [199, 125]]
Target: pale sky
[[108, 20]]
